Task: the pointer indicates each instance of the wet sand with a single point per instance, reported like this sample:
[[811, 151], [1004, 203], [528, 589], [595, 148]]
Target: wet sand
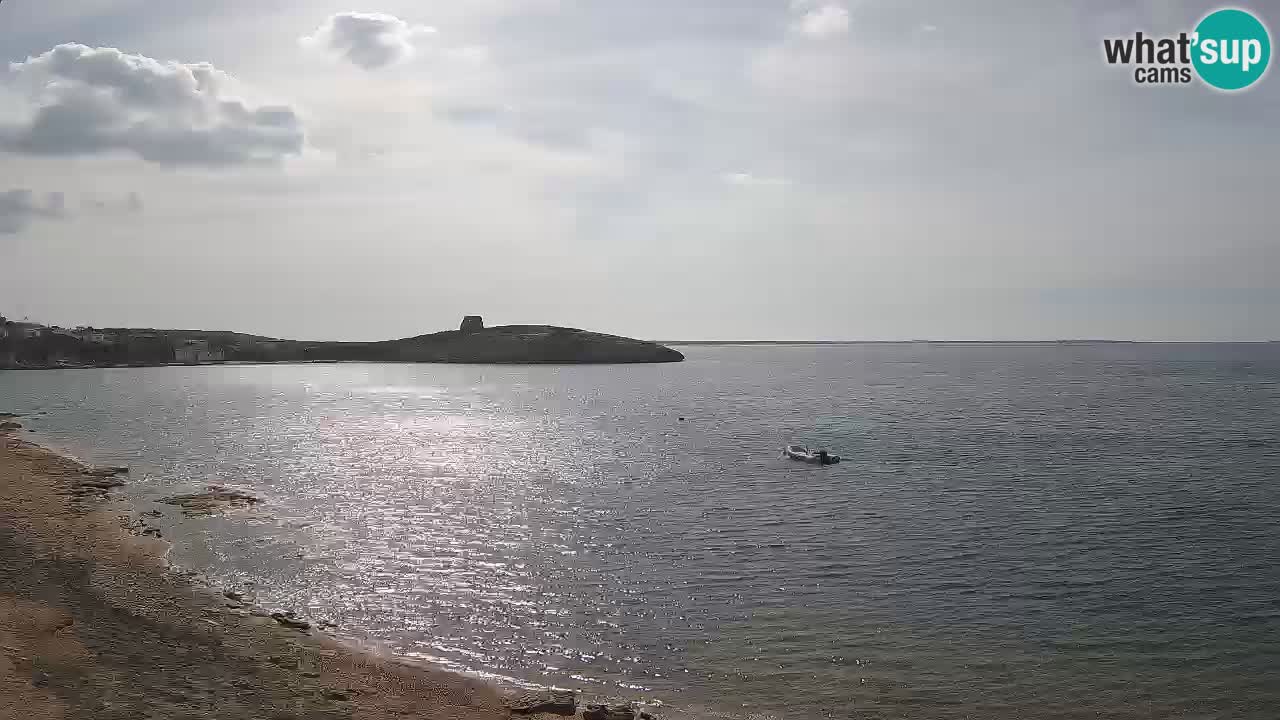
[[94, 624]]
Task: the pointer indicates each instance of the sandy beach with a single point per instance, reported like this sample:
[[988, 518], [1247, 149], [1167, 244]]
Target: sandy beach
[[94, 624]]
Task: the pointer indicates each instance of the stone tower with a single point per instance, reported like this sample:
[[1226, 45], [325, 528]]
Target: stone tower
[[472, 323]]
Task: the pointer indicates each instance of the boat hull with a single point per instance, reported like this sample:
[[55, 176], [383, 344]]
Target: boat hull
[[799, 454]]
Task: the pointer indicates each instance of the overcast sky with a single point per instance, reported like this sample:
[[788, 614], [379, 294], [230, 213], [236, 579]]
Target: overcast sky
[[670, 169]]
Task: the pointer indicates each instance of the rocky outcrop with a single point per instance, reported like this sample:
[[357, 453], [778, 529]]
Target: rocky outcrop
[[608, 712], [471, 323], [214, 499], [289, 620], [107, 471], [98, 482], [555, 702]]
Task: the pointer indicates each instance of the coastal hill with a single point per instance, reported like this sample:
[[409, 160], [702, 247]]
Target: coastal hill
[[502, 344], [528, 343], [30, 345]]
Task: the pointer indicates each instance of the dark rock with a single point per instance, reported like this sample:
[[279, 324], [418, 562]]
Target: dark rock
[[106, 471], [338, 695], [471, 323], [100, 483], [645, 716], [557, 702], [606, 712], [233, 595], [288, 620], [153, 514], [8, 425], [214, 499]]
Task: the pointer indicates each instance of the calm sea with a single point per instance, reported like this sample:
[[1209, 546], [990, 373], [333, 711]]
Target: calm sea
[[1017, 531]]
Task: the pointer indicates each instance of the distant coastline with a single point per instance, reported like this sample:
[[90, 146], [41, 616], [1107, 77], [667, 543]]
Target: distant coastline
[[25, 345]]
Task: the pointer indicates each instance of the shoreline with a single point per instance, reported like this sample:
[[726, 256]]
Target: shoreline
[[95, 623]]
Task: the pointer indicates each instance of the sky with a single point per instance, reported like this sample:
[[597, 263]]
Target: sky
[[667, 169]]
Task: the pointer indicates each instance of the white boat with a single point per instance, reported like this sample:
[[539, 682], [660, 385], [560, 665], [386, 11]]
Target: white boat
[[817, 457]]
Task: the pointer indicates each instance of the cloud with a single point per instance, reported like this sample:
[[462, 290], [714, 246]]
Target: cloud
[[741, 178], [823, 21], [81, 100], [19, 207], [369, 40]]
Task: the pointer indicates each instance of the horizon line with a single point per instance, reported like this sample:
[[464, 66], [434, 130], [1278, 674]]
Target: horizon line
[[1063, 341]]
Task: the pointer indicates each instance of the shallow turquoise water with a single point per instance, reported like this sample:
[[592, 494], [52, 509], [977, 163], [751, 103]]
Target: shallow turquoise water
[[1018, 531]]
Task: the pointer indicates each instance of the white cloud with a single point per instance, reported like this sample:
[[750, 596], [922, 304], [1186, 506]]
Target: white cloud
[[369, 40], [77, 100], [19, 207], [823, 21], [741, 178]]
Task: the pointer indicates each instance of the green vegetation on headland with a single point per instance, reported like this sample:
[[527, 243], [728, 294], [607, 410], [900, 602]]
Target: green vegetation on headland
[[30, 345]]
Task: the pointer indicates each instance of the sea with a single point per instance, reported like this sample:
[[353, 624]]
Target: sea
[[1033, 531]]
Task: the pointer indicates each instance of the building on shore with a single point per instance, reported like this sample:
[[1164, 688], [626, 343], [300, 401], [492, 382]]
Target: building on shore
[[93, 335], [192, 352]]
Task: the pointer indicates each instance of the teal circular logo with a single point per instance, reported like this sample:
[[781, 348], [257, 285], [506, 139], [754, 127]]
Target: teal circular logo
[[1231, 49]]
